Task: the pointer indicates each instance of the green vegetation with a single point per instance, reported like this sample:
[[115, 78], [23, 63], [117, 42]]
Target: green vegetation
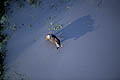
[[5, 25], [3, 37], [55, 27], [32, 3]]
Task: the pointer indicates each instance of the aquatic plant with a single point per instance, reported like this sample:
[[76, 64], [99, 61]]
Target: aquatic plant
[[3, 37], [55, 27], [32, 2]]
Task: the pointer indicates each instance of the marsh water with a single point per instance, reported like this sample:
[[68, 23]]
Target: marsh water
[[89, 32]]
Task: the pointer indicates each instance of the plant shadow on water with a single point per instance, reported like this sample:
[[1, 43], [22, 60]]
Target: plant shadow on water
[[77, 28]]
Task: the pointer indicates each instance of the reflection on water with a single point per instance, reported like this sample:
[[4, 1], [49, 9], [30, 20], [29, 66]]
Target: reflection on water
[[77, 28]]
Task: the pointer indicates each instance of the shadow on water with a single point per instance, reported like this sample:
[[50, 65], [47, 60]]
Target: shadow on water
[[77, 28]]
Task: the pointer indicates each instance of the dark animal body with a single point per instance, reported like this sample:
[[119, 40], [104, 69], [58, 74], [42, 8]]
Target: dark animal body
[[52, 38]]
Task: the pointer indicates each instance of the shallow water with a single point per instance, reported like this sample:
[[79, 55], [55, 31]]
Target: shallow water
[[89, 33]]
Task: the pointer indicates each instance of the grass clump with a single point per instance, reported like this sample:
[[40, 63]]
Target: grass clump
[[3, 37]]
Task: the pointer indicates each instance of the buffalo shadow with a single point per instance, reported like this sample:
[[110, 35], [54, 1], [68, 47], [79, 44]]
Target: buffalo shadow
[[77, 28]]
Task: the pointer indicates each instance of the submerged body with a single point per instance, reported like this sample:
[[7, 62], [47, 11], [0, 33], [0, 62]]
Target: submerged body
[[52, 38]]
